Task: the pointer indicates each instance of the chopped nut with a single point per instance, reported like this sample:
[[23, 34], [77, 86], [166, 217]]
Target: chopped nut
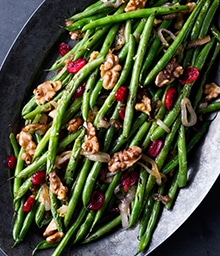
[[57, 187], [172, 71], [133, 5], [93, 56], [110, 71], [144, 106], [37, 127], [212, 91], [91, 143], [55, 238], [76, 35], [74, 124], [124, 159], [45, 91], [25, 140]]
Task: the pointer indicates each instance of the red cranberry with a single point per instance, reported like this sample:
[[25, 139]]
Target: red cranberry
[[190, 74], [74, 66], [128, 179], [28, 204], [170, 98], [121, 93], [96, 200], [79, 91], [38, 178], [155, 147], [63, 49], [121, 113], [12, 162]]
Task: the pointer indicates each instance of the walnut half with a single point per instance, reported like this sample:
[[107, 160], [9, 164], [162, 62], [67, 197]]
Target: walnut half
[[45, 91], [124, 159], [172, 71], [57, 187], [110, 70]]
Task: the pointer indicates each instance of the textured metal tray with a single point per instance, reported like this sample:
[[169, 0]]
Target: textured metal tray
[[18, 74]]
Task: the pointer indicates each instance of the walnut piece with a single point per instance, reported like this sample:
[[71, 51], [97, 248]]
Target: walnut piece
[[144, 106], [25, 140], [91, 144], [57, 187], [76, 35], [110, 70], [212, 91], [93, 56], [172, 71], [45, 91], [55, 238], [124, 159], [133, 5], [74, 124]]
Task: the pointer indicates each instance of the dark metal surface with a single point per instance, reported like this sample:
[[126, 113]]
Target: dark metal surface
[[201, 232]]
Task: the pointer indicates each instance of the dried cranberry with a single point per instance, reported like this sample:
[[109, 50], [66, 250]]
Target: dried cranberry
[[128, 179], [121, 113], [121, 93], [74, 66], [63, 49], [79, 91], [12, 161], [155, 147], [96, 200], [190, 74], [38, 178], [28, 204], [170, 98]]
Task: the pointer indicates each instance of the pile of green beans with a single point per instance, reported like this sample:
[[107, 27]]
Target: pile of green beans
[[142, 56]]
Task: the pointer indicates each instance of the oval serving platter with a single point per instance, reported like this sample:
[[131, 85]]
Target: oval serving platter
[[18, 76]]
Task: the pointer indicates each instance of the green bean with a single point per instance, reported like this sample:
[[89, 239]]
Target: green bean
[[14, 144], [90, 182], [74, 157], [57, 121], [108, 196], [43, 245], [174, 162], [182, 176], [29, 218], [146, 215], [23, 189], [143, 13], [206, 25], [70, 232], [42, 144], [211, 107], [101, 8], [129, 110], [19, 218], [85, 227], [139, 198], [172, 191], [80, 23], [77, 191], [140, 134], [151, 224], [215, 32], [39, 214], [54, 206], [95, 93], [122, 140], [161, 158], [103, 230], [86, 95], [182, 35], [124, 74]]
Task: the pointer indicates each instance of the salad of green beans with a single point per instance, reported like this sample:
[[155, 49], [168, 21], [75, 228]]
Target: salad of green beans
[[105, 140]]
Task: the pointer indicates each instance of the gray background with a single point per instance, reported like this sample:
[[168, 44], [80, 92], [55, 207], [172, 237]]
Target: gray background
[[200, 235]]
